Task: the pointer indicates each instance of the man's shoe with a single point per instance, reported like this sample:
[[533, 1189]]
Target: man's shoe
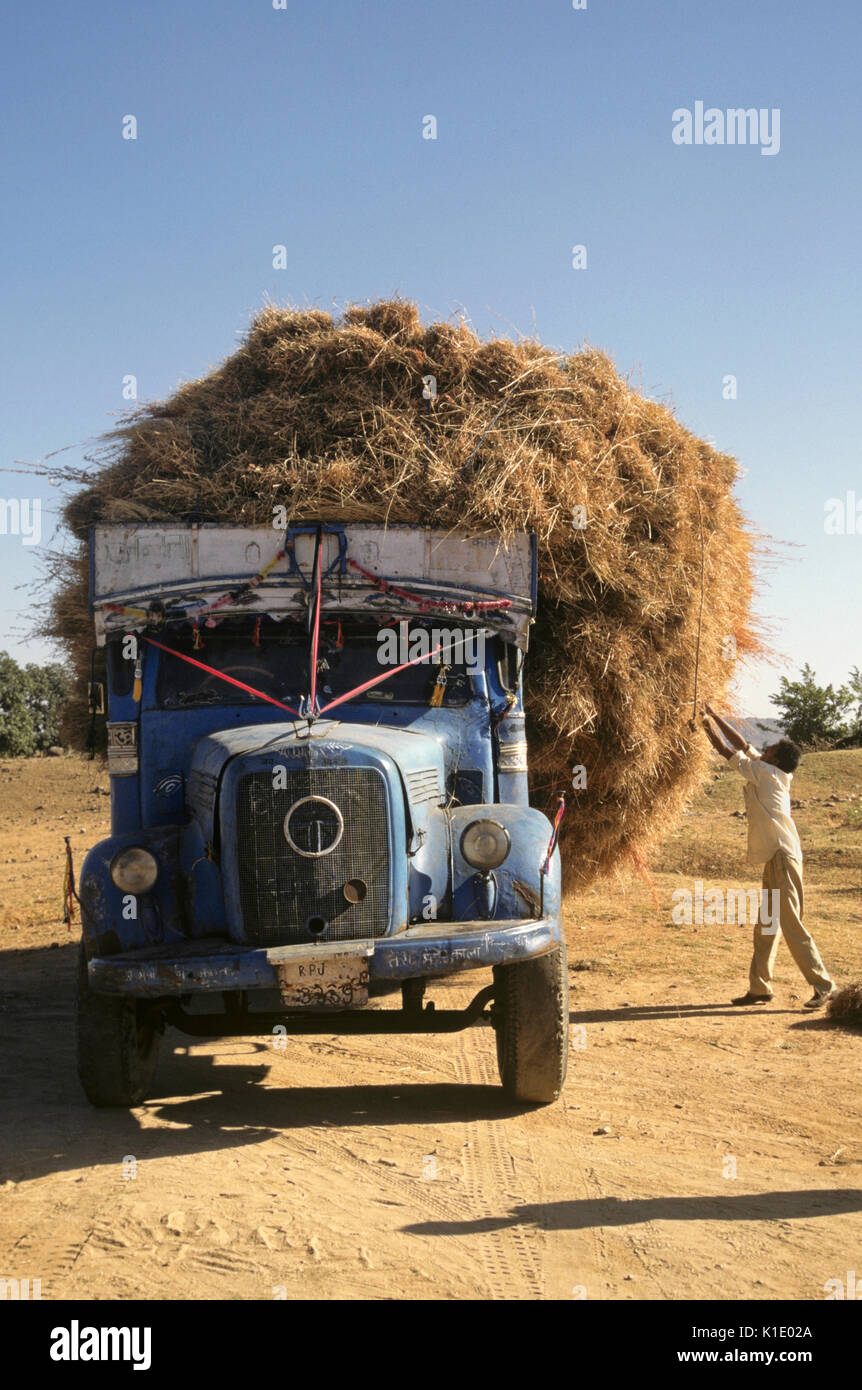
[[750, 998], [817, 1000]]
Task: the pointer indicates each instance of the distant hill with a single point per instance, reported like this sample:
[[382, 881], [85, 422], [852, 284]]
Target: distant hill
[[750, 730]]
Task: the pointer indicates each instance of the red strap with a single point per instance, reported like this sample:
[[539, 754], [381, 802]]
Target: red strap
[[315, 631], [377, 679], [561, 811], [222, 677]]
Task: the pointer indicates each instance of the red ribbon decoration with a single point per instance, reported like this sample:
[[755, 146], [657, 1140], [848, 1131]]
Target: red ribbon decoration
[[561, 811], [465, 606]]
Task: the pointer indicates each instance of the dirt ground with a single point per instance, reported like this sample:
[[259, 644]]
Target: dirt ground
[[698, 1151]]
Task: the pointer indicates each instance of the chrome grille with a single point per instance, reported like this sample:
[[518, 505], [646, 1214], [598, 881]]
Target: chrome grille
[[281, 890]]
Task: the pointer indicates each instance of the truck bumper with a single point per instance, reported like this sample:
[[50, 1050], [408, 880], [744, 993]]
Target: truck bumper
[[215, 966]]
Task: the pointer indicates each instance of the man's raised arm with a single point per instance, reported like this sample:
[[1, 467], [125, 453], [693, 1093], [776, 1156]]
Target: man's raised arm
[[718, 744], [733, 738]]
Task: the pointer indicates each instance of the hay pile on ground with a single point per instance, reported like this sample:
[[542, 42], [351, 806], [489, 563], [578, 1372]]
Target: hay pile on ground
[[846, 1006], [328, 418]]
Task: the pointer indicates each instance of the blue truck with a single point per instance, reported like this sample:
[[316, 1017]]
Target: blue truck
[[318, 770]]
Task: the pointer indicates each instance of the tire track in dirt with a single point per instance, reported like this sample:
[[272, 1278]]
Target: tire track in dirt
[[512, 1257], [418, 1193], [56, 1260]]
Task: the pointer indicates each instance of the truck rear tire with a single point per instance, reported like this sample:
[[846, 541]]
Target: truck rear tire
[[118, 1045], [531, 1017]]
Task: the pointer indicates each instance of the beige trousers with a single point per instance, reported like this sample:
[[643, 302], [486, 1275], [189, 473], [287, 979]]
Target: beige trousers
[[784, 876]]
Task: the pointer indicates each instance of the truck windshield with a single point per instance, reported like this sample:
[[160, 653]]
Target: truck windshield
[[278, 667]]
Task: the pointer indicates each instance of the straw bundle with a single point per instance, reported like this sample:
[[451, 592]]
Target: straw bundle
[[327, 417], [846, 1006]]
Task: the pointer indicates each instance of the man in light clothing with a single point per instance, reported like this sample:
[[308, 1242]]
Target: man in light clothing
[[773, 841]]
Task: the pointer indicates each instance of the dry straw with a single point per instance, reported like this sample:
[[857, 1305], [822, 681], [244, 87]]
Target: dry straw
[[328, 418], [846, 1006]]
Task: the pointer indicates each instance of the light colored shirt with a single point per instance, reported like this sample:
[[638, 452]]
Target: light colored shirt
[[767, 806]]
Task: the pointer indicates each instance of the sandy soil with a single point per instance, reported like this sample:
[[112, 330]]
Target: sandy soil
[[698, 1151]]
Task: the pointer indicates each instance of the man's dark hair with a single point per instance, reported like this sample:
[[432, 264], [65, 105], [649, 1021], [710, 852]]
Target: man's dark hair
[[787, 755]]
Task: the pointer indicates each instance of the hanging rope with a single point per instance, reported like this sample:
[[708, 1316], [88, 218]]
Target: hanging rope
[[485, 434], [693, 720]]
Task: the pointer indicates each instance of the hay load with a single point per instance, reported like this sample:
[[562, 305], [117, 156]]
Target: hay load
[[637, 525]]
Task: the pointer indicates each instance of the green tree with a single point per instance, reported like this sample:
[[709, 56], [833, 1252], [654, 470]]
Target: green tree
[[812, 713], [31, 697], [854, 685]]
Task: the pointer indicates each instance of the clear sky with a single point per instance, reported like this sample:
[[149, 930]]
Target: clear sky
[[303, 126]]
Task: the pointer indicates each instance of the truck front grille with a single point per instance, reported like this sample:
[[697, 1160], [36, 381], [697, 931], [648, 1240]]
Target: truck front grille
[[290, 896]]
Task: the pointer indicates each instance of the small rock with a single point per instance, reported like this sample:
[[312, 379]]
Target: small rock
[[602, 1129]]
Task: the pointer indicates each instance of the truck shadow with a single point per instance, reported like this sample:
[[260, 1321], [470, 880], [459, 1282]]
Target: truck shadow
[[203, 1100]]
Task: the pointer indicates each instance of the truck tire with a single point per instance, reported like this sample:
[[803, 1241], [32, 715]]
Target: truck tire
[[531, 1016], [118, 1047]]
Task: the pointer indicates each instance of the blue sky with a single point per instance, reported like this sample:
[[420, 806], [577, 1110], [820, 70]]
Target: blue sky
[[303, 127]]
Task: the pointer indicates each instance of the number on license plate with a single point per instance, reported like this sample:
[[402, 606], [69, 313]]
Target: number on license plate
[[338, 982]]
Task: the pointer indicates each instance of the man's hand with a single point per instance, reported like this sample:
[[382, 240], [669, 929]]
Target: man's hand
[[734, 739], [718, 743]]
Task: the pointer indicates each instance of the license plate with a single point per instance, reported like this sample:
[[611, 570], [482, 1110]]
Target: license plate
[[335, 982]]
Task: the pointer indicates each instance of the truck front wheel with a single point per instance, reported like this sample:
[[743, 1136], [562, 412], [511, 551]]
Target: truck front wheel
[[118, 1045], [531, 1017]]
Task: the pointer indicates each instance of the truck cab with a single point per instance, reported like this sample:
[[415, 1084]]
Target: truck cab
[[318, 769]]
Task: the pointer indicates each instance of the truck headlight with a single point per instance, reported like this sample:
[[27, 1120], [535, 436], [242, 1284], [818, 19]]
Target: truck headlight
[[485, 844], [134, 871]]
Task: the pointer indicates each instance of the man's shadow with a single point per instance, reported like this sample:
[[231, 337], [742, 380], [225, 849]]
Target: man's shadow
[[652, 1013], [590, 1212]]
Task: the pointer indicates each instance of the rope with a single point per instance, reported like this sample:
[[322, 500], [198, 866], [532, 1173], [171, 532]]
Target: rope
[[693, 720], [484, 435]]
